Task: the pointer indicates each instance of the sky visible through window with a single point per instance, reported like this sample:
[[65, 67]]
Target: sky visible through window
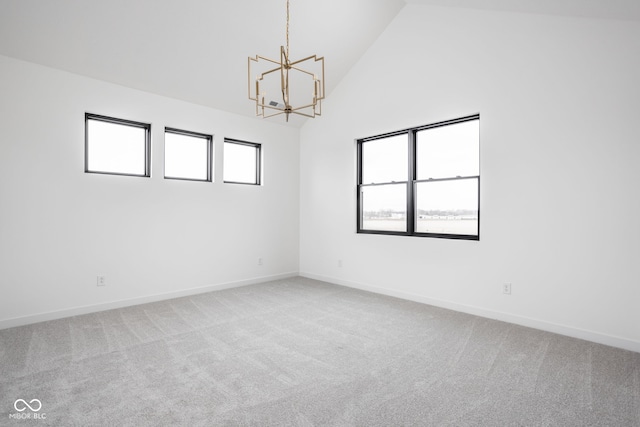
[[115, 148], [240, 163], [448, 151], [186, 156]]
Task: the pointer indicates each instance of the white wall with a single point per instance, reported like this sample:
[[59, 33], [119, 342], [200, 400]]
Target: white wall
[[61, 227], [559, 101]]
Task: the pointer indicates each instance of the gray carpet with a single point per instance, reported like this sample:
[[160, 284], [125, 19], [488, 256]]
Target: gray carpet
[[299, 352]]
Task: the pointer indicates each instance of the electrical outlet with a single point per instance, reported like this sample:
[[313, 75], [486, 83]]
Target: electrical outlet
[[102, 281], [259, 261], [506, 288]]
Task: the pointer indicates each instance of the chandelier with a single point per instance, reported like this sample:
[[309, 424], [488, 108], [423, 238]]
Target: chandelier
[[269, 84]]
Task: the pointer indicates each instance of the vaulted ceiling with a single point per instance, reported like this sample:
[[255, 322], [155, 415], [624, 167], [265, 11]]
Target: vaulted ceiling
[[196, 50]]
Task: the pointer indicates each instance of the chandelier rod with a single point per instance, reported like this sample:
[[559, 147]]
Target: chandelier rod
[[287, 28]]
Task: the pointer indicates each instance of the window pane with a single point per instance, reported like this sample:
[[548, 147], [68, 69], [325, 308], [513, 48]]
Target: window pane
[[240, 163], [384, 207], [186, 156], [447, 207], [449, 151], [385, 160], [115, 148]]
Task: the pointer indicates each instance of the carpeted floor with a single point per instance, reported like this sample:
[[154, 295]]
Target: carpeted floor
[[299, 352]]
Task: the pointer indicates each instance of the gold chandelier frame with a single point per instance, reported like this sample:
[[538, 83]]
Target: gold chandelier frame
[[266, 107]]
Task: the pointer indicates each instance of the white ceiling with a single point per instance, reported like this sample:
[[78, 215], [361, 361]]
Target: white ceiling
[[196, 50], [599, 9]]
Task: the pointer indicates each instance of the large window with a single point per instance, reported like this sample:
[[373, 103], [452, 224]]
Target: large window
[[241, 162], [187, 155], [117, 146], [423, 181]]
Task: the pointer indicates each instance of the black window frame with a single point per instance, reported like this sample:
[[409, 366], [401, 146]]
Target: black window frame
[[258, 148], [207, 137], [125, 122], [412, 182]]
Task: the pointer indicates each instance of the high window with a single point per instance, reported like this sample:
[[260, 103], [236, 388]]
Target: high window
[[187, 155], [242, 162], [423, 181], [117, 146]]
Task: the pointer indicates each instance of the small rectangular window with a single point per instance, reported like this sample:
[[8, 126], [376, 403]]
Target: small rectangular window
[[241, 162], [423, 181], [187, 155], [117, 146]]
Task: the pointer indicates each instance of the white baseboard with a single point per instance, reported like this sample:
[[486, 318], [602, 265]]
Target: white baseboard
[[573, 332], [75, 311]]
